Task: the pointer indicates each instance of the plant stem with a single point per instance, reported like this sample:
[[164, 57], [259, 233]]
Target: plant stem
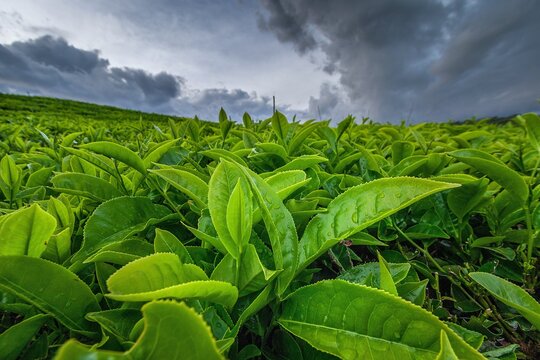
[[507, 330], [421, 249], [120, 178], [530, 233]]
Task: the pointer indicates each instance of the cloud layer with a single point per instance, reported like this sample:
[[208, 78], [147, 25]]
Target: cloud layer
[[421, 60], [51, 66], [432, 60]]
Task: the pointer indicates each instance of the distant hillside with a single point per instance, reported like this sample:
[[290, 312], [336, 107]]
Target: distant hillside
[[52, 108]]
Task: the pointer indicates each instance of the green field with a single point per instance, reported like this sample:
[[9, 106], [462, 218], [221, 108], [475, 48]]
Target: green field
[[126, 235]]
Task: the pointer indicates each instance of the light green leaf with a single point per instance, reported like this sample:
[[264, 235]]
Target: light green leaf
[[466, 198], [121, 252], [187, 183], [280, 126], [472, 338], [10, 173], [446, 352], [387, 283], [100, 161], [409, 166], [344, 125], [401, 150], [287, 182], [510, 294], [118, 322], [239, 214], [162, 275], [280, 226], [221, 187], [263, 299], [532, 124], [357, 322], [67, 298], [26, 231], [58, 247], [84, 185], [301, 163], [301, 136], [496, 170], [117, 219], [414, 292], [358, 208], [165, 241], [172, 331], [217, 154], [369, 273], [39, 177], [117, 152], [253, 276]]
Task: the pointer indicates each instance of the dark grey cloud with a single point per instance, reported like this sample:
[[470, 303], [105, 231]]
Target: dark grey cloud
[[56, 52], [432, 59], [288, 25], [50, 66]]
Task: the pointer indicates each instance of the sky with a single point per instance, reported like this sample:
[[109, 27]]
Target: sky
[[389, 60]]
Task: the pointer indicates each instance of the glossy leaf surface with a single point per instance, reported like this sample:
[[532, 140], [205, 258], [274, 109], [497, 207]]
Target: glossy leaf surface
[[117, 219], [359, 207], [26, 232], [511, 295], [67, 298], [357, 322], [171, 331]]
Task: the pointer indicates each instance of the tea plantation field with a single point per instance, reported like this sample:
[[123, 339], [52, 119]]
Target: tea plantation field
[[141, 236]]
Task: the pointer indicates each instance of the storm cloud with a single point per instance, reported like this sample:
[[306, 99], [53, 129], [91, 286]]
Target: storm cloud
[[428, 60], [50, 66], [419, 60]]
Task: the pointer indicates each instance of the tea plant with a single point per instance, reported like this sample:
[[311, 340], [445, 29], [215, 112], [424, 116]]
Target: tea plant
[[271, 239]]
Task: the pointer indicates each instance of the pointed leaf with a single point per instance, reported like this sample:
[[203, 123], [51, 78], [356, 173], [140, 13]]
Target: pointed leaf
[[85, 185], [117, 219], [163, 276], [357, 322], [387, 283], [446, 352], [172, 331], [532, 124], [358, 208], [187, 183], [221, 186], [117, 152], [165, 241], [280, 226], [280, 126], [26, 231], [67, 298], [509, 179], [15, 339], [510, 294], [239, 214]]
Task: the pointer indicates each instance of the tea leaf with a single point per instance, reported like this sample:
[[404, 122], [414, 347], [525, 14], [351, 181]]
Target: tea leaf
[[171, 331], [117, 219], [359, 207], [67, 298], [511, 295], [117, 152], [161, 276], [26, 231], [357, 322]]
